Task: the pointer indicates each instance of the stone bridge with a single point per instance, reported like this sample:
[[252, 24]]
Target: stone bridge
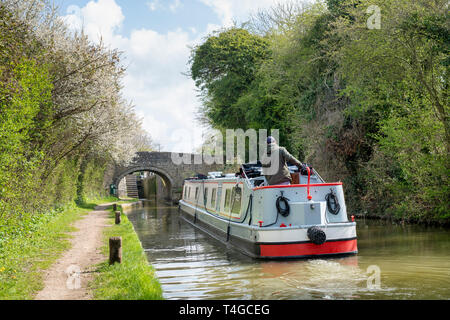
[[161, 163]]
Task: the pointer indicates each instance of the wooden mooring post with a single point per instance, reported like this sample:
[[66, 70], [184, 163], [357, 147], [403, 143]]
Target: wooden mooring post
[[115, 250], [118, 217], [114, 207]]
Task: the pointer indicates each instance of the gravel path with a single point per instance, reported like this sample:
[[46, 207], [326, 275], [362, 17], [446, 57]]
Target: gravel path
[[68, 277]]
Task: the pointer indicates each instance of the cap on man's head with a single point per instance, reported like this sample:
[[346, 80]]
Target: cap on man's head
[[270, 140]]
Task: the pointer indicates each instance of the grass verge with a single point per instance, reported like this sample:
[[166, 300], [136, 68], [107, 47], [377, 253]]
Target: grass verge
[[24, 256], [134, 278]]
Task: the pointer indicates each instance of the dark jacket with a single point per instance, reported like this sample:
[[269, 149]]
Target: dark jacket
[[282, 173]]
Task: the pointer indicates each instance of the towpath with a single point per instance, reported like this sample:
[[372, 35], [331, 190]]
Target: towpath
[[68, 277]]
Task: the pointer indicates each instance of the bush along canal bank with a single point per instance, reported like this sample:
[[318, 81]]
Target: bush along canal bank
[[403, 220], [132, 279], [27, 253]]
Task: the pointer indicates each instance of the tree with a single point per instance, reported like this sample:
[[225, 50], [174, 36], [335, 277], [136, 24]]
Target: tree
[[63, 120], [223, 68], [397, 80], [366, 106]]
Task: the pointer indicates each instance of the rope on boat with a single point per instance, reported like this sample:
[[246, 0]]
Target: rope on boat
[[333, 203], [250, 205], [280, 211], [287, 209]]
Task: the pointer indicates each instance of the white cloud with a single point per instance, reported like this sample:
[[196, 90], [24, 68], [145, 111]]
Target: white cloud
[[165, 99], [100, 19], [73, 17], [230, 11], [153, 5], [163, 48], [156, 5], [174, 6], [223, 9]]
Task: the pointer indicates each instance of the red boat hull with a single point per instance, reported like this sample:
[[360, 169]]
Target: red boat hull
[[308, 249]]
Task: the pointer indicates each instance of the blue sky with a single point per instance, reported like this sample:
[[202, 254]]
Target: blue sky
[[138, 14], [155, 37]]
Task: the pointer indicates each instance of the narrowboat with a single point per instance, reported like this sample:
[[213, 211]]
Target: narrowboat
[[305, 219]]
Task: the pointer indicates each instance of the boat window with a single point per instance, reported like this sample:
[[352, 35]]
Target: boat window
[[189, 193], [205, 197], [227, 200], [213, 198], [236, 200], [196, 193]]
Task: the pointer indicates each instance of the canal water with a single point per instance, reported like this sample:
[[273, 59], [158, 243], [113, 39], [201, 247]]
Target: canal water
[[394, 262]]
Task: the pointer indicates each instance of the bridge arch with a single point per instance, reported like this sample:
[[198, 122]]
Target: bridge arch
[[161, 163], [168, 180]]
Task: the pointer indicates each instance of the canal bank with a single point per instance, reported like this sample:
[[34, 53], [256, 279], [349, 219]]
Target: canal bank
[[64, 257], [134, 278], [28, 255], [68, 277]]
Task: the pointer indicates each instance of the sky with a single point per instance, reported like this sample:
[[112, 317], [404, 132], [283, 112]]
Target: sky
[[156, 37]]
